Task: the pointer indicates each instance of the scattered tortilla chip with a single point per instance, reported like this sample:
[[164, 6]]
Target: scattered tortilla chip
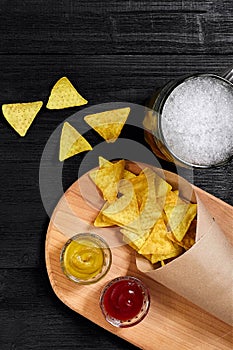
[[72, 142], [180, 217], [21, 115], [107, 178], [108, 124], [64, 95]]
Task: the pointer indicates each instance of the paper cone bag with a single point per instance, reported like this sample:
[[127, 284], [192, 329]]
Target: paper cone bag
[[204, 273]]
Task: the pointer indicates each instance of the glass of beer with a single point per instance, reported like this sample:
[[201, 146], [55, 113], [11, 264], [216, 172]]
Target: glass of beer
[[194, 120]]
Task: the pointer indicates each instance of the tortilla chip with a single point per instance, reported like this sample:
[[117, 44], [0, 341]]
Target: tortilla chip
[[171, 199], [21, 115], [108, 124], [103, 161], [101, 220], [107, 178], [144, 187], [189, 240], [159, 245], [124, 212], [72, 142], [162, 188], [150, 211], [135, 239], [180, 217], [126, 174], [141, 184], [64, 95], [160, 257]]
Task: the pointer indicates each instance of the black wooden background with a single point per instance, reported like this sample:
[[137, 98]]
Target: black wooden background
[[116, 50]]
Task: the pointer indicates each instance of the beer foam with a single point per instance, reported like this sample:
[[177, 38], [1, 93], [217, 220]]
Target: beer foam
[[197, 121]]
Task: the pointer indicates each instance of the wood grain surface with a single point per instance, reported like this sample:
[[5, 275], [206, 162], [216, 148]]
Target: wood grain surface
[[171, 318], [112, 51]]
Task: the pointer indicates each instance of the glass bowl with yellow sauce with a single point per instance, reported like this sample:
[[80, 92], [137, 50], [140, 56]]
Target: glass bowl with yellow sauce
[[85, 258]]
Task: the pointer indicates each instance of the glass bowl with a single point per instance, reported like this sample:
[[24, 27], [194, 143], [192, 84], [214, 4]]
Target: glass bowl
[[85, 258], [125, 301]]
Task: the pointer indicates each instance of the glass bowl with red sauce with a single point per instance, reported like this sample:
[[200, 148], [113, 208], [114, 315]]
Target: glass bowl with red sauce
[[125, 301]]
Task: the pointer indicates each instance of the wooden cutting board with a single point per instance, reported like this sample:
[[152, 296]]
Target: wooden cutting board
[[172, 322]]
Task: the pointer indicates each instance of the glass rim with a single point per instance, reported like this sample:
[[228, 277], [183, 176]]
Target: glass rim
[[174, 157], [103, 245], [125, 323]]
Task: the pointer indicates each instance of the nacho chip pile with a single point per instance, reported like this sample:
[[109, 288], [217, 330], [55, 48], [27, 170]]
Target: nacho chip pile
[[153, 218]]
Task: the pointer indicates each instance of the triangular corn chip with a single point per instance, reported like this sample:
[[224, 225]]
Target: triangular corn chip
[[108, 124], [107, 178], [160, 257], [172, 198], [103, 161], [72, 142], [150, 211], [144, 187], [21, 115], [124, 211], [64, 95], [189, 238], [180, 217], [158, 244], [126, 174], [162, 187], [101, 220], [135, 239], [140, 184]]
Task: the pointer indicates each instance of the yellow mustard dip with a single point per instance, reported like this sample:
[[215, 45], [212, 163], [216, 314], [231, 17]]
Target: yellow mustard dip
[[83, 259]]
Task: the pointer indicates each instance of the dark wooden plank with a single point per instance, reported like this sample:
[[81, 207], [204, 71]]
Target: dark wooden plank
[[98, 6], [31, 316], [131, 78], [116, 27]]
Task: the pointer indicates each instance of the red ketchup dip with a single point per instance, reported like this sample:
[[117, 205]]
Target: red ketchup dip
[[125, 301]]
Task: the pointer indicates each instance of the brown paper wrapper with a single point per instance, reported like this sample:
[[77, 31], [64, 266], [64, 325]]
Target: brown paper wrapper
[[204, 273]]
